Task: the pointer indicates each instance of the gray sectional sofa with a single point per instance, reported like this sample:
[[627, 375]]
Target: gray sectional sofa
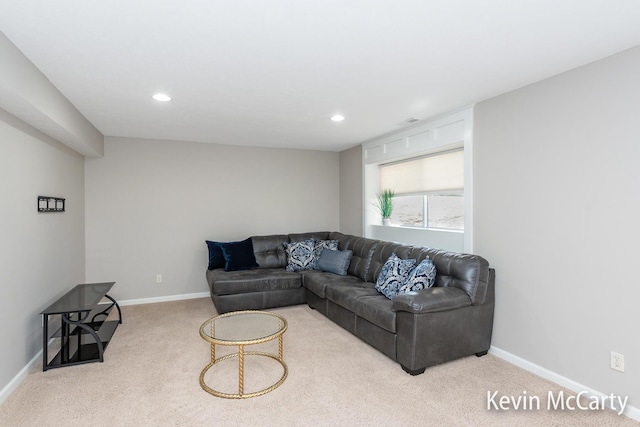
[[452, 319]]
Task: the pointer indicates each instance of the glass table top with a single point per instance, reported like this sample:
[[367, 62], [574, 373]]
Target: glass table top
[[244, 327], [81, 298]]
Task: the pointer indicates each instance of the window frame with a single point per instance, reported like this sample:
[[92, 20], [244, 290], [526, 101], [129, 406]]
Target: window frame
[[443, 133]]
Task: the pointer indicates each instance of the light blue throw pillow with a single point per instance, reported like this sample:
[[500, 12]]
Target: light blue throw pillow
[[320, 245], [334, 261], [422, 276], [393, 274]]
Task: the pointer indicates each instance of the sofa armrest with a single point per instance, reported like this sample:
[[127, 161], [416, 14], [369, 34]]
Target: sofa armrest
[[431, 300]]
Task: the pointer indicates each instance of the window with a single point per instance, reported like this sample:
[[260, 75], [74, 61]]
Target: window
[[435, 210], [429, 191]]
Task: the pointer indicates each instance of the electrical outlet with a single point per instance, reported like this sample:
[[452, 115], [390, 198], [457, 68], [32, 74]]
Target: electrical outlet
[[158, 278], [617, 361]]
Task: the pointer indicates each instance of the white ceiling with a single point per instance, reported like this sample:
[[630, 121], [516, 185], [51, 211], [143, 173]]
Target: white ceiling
[[271, 73]]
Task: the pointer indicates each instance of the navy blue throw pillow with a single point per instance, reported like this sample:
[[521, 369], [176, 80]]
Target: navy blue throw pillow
[[216, 258], [238, 255]]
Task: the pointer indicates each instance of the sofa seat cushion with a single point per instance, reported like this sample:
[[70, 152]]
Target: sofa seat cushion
[[346, 294], [243, 281], [365, 301], [317, 281], [378, 310]]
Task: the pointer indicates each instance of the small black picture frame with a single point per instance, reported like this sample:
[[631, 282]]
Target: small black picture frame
[[50, 204]]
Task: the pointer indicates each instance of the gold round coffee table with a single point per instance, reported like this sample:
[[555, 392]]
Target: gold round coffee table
[[241, 328]]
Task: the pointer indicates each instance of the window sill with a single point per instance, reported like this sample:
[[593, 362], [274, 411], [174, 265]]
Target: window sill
[[450, 240], [406, 227]]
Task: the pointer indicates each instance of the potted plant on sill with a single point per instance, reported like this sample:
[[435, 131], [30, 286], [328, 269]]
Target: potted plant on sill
[[384, 204]]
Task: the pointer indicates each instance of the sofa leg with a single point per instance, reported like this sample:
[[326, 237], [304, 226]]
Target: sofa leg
[[413, 371], [482, 353]]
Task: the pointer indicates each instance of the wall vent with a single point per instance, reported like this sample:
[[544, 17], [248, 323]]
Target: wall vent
[[409, 121]]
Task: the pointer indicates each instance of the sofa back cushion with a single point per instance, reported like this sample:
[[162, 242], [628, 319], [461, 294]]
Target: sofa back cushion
[[361, 247], [382, 253], [315, 235], [467, 272], [269, 250]]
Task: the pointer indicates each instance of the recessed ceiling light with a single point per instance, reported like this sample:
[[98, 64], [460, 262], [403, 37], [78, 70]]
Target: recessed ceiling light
[[161, 97], [337, 118]]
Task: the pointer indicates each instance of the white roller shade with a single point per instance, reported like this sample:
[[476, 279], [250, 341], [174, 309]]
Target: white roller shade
[[439, 172]]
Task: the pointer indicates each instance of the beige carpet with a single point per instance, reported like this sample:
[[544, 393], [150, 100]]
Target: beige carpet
[[151, 370]]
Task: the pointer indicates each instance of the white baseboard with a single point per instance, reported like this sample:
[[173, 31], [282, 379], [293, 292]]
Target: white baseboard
[[630, 411], [17, 380], [163, 299]]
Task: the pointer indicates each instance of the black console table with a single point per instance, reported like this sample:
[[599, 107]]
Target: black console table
[[83, 329]]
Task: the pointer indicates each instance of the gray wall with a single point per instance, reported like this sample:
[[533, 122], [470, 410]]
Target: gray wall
[[28, 94], [556, 206], [351, 188], [150, 205], [41, 254]]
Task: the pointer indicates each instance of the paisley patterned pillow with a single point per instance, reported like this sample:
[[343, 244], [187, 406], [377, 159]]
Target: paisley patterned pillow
[[422, 276], [300, 255], [393, 274]]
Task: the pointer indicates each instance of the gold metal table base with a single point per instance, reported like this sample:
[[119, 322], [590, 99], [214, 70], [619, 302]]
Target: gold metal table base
[[241, 394], [208, 332]]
